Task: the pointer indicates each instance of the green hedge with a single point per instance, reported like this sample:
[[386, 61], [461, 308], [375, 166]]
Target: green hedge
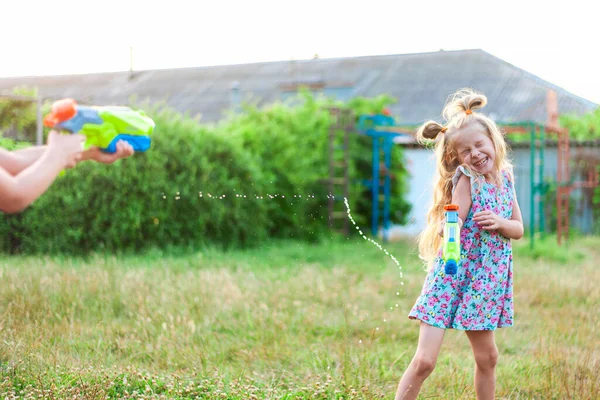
[[162, 198]]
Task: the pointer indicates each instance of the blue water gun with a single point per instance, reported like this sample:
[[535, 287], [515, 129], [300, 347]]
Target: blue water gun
[[104, 126], [451, 249]]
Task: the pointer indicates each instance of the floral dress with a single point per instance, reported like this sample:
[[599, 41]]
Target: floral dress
[[480, 295]]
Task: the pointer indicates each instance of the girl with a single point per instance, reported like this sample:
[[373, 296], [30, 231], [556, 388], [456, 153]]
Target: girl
[[26, 174], [473, 172]]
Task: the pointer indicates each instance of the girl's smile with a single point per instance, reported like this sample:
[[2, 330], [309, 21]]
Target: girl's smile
[[475, 148]]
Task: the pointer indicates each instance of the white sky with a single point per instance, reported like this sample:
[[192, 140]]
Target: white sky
[[552, 39]]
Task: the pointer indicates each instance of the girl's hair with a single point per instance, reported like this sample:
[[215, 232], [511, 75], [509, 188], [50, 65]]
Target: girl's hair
[[458, 112]]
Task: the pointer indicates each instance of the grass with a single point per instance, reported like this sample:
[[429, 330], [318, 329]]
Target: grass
[[286, 321]]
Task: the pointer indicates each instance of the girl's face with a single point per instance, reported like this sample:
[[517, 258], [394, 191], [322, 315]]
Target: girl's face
[[475, 148]]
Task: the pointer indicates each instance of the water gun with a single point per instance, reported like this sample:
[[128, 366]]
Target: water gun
[[451, 249], [104, 126]]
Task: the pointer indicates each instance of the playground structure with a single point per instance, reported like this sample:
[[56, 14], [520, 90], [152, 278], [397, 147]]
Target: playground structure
[[564, 180], [383, 130]]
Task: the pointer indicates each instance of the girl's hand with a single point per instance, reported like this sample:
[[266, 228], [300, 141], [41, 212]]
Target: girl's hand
[[443, 223], [488, 220], [124, 150]]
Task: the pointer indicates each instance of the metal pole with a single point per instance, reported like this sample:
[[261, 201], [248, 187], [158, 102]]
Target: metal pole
[[532, 186], [39, 132], [348, 128], [387, 188], [542, 186], [335, 114], [375, 186], [130, 62]]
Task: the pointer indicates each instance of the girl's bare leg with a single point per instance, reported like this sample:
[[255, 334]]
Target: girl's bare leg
[[423, 362], [486, 357]]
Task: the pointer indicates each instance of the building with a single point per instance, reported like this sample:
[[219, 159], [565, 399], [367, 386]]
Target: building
[[420, 82]]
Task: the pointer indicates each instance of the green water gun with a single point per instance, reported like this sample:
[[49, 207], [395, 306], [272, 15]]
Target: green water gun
[[104, 126], [451, 249]]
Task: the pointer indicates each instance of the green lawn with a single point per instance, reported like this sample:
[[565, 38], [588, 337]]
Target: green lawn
[[287, 321]]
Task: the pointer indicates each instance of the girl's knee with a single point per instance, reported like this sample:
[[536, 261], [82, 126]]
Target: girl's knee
[[423, 365], [487, 359]]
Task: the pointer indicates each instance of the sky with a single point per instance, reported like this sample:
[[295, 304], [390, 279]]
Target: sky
[[551, 39]]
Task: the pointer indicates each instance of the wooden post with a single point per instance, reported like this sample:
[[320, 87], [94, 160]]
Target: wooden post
[[552, 109], [563, 177]]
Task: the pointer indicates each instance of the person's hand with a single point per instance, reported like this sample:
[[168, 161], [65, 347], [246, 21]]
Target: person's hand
[[487, 220], [67, 147], [123, 150], [443, 224]]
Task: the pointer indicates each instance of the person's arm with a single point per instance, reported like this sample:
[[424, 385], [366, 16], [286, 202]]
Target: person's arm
[[462, 198], [18, 192], [513, 228], [510, 228], [18, 160]]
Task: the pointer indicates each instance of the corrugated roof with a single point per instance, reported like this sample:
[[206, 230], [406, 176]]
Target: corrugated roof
[[420, 82]]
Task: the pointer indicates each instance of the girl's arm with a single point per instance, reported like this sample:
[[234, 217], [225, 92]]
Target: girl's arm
[[510, 228], [462, 198], [513, 228]]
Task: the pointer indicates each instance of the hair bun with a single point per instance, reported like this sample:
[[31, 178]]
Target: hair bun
[[429, 131], [462, 101]]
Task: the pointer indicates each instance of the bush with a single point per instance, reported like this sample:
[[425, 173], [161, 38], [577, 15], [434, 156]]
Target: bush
[[19, 117], [152, 199], [582, 127]]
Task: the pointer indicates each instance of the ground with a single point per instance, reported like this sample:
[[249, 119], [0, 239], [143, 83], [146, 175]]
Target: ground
[[287, 321]]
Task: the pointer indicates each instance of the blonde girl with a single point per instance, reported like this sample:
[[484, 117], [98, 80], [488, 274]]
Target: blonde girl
[[474, 172]]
